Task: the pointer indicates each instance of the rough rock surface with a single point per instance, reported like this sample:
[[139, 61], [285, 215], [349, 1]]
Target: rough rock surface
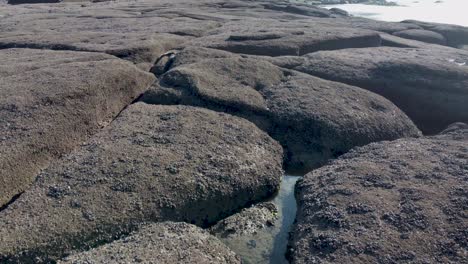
[[139, 32], [180, 163], [165, 243], [422, 35], [313, 119], [403, 201], [247, 222], [51, 101], [153, 163], [430, 87]]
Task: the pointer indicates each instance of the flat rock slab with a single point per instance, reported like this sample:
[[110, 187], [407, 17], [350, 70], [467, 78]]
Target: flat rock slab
[[456, 35], [312, 118], [51, 101], [370, 24], [153, 163], [141, 49], [430, 86], [165, 243], [422, 35], [139, 33], [271, 37], [390, 202]]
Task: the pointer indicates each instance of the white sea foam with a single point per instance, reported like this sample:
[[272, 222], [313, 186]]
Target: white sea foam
[[444, 11]]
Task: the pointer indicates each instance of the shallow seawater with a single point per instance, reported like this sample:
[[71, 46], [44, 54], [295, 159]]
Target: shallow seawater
[[286, 203], [269, 245], [443, 11]]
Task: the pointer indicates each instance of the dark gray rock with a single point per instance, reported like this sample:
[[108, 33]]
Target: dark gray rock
[[403, 201], [394, 41], [456, 35], [313, 119], [430, 86], [153, 163], [306, 10], [52, 101], [422, 35], [271, 37], [117, 28], [370, 24], [165, 243]]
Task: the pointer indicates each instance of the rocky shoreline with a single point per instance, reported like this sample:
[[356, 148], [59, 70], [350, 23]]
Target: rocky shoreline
[[154, 132]]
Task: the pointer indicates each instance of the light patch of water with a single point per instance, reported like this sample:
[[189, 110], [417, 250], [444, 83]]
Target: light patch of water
[[269, 245]]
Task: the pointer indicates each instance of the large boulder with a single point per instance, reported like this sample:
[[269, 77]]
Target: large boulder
[[153, 163], [422, 35], [164, 243], [404, 201], [312, 118], [51, 101], [430, 86]]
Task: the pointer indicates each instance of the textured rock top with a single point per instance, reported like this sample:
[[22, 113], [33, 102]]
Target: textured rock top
[[153, 163], [164, 243], [398, 201]]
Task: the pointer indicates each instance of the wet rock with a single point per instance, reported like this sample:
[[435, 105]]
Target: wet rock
[[51, 101], [430, 87], [251, 232], [313, 119], [387, 202], [422, 35], [153, 163], [247, 222], [165, 243]]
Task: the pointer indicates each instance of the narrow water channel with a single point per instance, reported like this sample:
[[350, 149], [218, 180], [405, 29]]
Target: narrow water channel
[[269, 245], [286, 203]]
